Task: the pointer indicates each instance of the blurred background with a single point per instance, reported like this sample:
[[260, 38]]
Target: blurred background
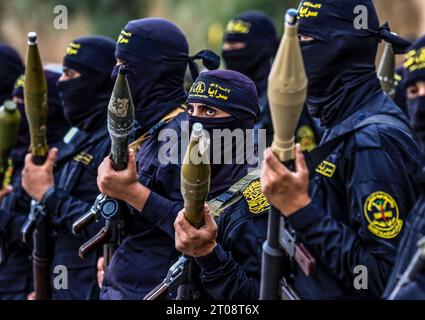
[[202, 21]]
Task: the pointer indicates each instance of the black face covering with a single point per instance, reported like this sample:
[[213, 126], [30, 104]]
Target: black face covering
[[155, 88], [234, 93], [155, 52], [256, 30], [223, 175], [340, 61], [84, 102], [338, 76], [85, 99], [416, 109], [254, 61], [11, 68]]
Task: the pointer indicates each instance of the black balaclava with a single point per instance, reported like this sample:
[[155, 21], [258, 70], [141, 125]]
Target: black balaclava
[[340, 61], [85, 99], [257, 31], [11, 67], [57, 126], [414, 65], [155, 52], [235, 94]]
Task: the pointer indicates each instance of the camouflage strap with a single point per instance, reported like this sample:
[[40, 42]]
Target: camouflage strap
[[233, 194], [137, 144]]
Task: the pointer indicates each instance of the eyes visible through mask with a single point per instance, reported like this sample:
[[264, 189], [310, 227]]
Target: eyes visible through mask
[[229, 46], [69, 74], [416, 90], [305, 39], [204, 111]]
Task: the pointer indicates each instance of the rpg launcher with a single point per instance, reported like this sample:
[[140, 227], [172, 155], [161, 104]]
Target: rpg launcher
[[287, 92], [37, 224], [120, 128], [195, 177]]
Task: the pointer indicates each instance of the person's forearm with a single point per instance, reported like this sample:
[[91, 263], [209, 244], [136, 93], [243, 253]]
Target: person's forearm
[[161, 212], [225, 279], [136, 196]]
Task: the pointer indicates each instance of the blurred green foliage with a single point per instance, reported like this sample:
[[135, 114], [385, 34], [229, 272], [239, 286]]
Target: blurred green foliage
[[108, 17], [196, 16]]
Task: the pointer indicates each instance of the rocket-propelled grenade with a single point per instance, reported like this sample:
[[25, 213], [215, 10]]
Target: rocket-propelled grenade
[[386, 70], [10, 119], [287, 89], [287, 92], [120, 128], [195, 176], [120, 120], [35, 96]]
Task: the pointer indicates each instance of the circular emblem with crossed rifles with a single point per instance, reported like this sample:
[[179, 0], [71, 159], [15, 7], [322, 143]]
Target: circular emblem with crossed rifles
[[381, 212]]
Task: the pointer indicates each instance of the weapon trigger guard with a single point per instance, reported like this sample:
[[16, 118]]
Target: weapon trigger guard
[[38, 209], [30, 223], [176, 270]]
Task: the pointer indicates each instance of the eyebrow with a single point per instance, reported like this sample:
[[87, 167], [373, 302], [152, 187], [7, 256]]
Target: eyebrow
[[201, 106], [207, 106]]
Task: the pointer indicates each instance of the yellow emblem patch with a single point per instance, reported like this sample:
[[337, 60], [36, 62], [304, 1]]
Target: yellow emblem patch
[[257, 201], [124, 37], [381, 212], [20, 81], [238, 26], [73, 48], [199, 87], [305, 136], [214, 90], [309, 9], [415, 60], [326, 169], [84, 158], [218, 92]]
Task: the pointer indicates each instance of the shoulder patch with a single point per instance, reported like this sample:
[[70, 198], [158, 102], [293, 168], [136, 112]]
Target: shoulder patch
[[84, 158], [257, 201], [382, 214], [326, 169]]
